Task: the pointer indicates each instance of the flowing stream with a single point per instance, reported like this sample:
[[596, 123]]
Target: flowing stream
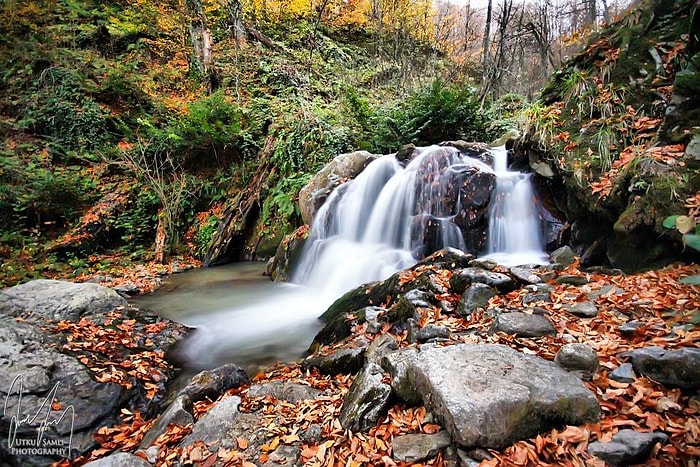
[[368, 228]]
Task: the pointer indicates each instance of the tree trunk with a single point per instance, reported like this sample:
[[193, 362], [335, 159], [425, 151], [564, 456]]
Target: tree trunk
[[487, 43]]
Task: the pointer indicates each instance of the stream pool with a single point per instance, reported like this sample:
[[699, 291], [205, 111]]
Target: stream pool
[[239, 316]]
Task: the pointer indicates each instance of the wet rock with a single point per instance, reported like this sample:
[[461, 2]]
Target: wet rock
[[119, 459], [284, 390], [366, 401], [30, 366], [579, 359], [344, 166], [214, 424], [676, 368], [419, 447], [630, 328], [523, 325], [562, 257], [127, 289], [572, 280], [288, 252], [211, 383], [536, 297], [463, 278], [178, 413], [419, 298], [627, 447], [582, 309], [448, 256], [623, 374], [406, 153], [57, 300], [396, 364], [483, 263], [341, 361], [432, 331], [476, 296], [381, 346], [525, 275], [491, 395]]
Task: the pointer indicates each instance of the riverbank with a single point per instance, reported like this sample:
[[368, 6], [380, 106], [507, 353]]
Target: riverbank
[[298, 414]]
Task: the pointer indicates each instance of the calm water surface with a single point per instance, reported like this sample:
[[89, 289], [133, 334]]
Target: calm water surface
[[239, 315]]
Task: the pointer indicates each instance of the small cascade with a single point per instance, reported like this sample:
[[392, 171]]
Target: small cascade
[[390, 215], [514, 230]]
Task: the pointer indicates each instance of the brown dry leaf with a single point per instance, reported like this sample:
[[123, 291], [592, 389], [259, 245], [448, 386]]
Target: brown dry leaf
[[242, 443]]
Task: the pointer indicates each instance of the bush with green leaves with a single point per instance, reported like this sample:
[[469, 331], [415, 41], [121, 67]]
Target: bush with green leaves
[[435, 113]]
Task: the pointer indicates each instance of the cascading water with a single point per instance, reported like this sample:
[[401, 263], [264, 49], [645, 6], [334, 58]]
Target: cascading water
[[382, 221], [514, 231]]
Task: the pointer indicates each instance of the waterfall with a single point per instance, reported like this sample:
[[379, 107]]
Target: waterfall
[[514, 230], [390, 215]]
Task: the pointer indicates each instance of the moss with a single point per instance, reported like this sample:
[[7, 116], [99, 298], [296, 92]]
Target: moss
[[401, 311]]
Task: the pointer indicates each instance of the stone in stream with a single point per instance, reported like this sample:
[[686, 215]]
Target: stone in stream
[[476, 296], [627, 447], [522, 325], [582, 309], [562, 257], [214, 425], [525, 275], [674, 368], [418, 447], [46, 299], [366, 401], [211, 383], [34, 368], [345, 360], [177, 413], [344, 166], [462, 278], [579, 359], [491, 395], [623, 374]]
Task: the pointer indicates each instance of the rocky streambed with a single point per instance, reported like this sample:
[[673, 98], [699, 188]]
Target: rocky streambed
[[454, 361]]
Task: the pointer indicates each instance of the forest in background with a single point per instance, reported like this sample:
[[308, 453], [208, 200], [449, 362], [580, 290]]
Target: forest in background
[[131, 129]]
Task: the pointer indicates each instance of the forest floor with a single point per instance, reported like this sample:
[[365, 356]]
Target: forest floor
[[667, 309]]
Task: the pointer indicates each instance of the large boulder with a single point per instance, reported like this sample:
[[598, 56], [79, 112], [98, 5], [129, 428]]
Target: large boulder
[[34, 374], [280, 267], [675, 368], [344, 166], [366, 401], [491, 395], [57, 300]]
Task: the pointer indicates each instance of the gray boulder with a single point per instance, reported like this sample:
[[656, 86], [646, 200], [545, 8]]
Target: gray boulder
[[582, 309], [366, 401], [381, 346], [57, 300], [623, 374], [419, 447], [344, 166], [627, 447], [525, 275], [579, 359], [476, 296], [431, 331], [119, 459], [572, 279], [562, 257], [341, 361], [215, 424], [177, 413], [491, 395], [396, 364], [211, 383], [677, 368], [284, 390], [288, 252], [522, 325], [40, 373], [462, 278]]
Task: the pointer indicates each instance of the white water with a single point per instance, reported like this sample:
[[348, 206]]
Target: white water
[[369, 228], [514, 231]]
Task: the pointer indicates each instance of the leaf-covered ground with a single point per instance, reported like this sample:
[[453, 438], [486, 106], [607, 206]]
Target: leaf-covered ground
[[668, 310]]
